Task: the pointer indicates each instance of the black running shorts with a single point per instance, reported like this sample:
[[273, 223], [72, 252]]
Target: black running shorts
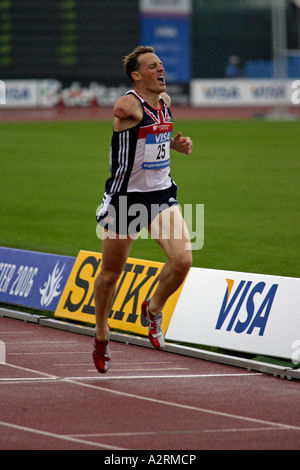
[[128, 213]]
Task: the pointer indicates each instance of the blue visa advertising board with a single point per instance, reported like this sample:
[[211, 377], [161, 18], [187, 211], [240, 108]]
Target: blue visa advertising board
[[166, 27], [33, 279]]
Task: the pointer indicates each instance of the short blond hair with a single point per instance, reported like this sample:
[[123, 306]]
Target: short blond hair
[[131, 61]]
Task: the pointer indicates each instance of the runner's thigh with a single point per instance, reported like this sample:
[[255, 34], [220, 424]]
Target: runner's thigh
[[115, 251], [170, 231]]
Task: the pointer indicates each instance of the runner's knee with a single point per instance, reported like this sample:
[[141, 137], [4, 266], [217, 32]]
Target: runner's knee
[[182, 262], [106, 278]]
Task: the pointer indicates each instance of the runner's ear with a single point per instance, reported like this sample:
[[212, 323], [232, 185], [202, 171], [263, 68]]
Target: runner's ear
[[136, 76]]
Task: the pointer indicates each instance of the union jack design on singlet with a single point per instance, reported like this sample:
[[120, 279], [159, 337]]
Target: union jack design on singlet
[[140, 156]]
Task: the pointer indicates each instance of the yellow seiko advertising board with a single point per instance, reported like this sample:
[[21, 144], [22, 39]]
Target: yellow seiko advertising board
[[137, 282]]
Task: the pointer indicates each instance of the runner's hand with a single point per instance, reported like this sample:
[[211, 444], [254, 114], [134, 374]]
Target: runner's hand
[[182, 144]]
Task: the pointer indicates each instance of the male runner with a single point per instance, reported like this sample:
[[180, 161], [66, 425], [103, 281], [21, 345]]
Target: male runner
[[140, 170]]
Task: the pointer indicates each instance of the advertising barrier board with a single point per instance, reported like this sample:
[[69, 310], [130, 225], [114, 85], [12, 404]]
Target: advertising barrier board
[[138, 280], [21, 93], [241, 92], [2, 92], [50, 93], [33, 279], [252, 313], [249, 313]]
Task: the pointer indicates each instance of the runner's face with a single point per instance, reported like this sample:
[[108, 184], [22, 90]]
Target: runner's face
[[152, 73]]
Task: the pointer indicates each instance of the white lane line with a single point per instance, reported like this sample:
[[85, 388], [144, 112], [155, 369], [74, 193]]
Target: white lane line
[[141, 362], [159, 377], [184, 407], [2, 352], [63, 343], [75, 381], [156, 369], [116, 363], [86, 364], [123, 377], [39, 432], [37, 372], [62, 353], [7, 381], [17, 333], [27, 379], [192, 431], [41, 353]]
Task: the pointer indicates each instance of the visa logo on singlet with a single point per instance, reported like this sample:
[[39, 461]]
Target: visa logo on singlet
[[161, 138]]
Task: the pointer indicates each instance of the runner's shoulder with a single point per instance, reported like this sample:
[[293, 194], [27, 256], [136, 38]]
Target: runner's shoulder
[[166, 99], [127, 107]]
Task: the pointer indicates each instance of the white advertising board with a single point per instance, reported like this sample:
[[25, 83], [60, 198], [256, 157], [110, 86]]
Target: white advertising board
[[253, 313], [241, 92], [2, 92], [206, 93], [21, 93]]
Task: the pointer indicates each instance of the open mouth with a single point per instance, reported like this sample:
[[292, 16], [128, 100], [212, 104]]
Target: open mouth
[[161, 79]]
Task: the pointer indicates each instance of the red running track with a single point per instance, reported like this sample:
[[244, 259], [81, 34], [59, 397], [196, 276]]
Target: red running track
[[53, 398], [106, 113]]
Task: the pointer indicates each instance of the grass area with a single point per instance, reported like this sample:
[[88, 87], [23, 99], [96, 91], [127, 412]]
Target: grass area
[[245, 173]]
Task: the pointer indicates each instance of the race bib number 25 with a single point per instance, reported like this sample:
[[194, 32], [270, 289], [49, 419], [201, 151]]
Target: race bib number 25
[[157, 151]]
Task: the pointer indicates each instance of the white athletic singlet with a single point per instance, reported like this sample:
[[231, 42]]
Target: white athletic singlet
[[140, 156]]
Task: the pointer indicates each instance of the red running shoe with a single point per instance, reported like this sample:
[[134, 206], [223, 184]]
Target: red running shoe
[[156, 335], [101, 354]]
